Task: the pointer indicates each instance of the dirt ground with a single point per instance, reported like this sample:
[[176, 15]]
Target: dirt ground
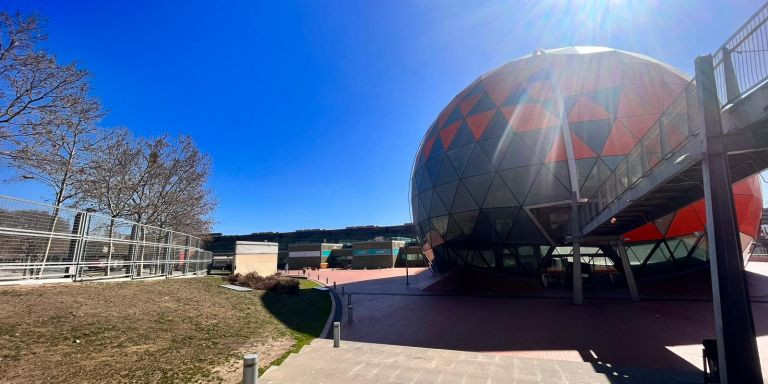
[[178, 330]]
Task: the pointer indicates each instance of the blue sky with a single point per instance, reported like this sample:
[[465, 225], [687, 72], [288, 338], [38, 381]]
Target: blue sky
[[313, 110]]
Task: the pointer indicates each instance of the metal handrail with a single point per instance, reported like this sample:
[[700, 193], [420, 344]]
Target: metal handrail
[[735, 76]]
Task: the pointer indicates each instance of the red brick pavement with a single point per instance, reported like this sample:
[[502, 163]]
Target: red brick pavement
[[661, 334]]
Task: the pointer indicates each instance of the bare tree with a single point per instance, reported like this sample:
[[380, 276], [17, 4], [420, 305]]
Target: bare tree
[[155, 182], [55, 153], [33, 86], [175, 195], [114, 173]]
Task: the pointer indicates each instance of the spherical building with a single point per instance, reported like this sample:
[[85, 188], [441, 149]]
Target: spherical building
[[495, 174]]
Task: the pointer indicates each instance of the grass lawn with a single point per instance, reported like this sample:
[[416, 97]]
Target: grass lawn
[[177, 330]]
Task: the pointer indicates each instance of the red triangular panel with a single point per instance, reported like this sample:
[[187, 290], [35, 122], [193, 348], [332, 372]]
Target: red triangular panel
[[478, 123], [580, 150], [448, 133], [620, 141], [644, 233], [529, 116], [686, 222], [634, 103], [427, 147], [639, 125], [748, 211], [540, 90], [701, 210], [557, 153], [585, 110]]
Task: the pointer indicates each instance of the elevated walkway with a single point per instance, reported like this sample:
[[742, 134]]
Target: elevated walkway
[[663, 172], [659, 177]]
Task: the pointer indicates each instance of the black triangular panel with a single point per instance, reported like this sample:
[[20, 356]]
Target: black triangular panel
[[560, 170], [459, 157], [463, 201], [463, 137], [594, 133], [478, 164], [584, 168], [607, 98], [540, 141], [596, 178], [524, 231], [453, 230], [466, 220], [426, 202], [519, 180], [426, 181], [494, 148], [453, 117], [517, 155], [440, 224], [478, 186], [446, 174], [499, 195], [484, 230], [612, 161], [498, 125], [447, 192], [437, 148], [479, 88], [569, 102], [421, 211], [436, 208], [433, 168], [502, 219], [546, 189], [483, 105]]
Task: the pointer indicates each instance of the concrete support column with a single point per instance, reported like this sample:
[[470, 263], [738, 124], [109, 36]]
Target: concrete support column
[[734, 327], [629, 276], [578, 293]]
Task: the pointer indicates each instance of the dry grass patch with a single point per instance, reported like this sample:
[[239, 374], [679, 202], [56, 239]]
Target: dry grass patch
[[178, 330]]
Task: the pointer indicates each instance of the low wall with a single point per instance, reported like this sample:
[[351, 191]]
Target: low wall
[[251, 256]]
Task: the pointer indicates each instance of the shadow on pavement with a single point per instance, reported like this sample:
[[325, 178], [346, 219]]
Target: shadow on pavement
[[612, 333]]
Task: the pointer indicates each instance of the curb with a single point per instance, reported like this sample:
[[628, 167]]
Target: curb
[[336, 311]]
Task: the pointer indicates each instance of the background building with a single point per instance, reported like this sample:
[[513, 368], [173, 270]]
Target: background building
[[376, 254], [310, 255]]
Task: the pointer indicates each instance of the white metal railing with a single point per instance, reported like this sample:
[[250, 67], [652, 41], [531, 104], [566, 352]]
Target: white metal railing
[[40, 241]]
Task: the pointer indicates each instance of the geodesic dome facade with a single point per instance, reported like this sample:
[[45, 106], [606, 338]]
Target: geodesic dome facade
[[498, 153]]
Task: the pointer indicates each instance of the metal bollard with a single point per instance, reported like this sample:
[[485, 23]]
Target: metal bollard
[[251, 369], [350, 318], [336, 334], [334, 285], [326, 281]]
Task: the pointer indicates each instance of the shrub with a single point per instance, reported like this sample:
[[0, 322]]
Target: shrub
[[272, 283]]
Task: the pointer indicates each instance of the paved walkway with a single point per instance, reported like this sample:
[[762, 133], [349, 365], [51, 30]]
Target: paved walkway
[[660, 334], [365, 363]]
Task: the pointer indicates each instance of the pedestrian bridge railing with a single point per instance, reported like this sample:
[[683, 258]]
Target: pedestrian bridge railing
[[40, 241], [741, 66]]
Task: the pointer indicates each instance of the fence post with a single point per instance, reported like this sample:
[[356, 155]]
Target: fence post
[[169, 246], [82, 231], [186, 254], [135, 231], [251, 369]]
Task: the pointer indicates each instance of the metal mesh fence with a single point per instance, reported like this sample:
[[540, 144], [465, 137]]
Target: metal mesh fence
[[39, 241]]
